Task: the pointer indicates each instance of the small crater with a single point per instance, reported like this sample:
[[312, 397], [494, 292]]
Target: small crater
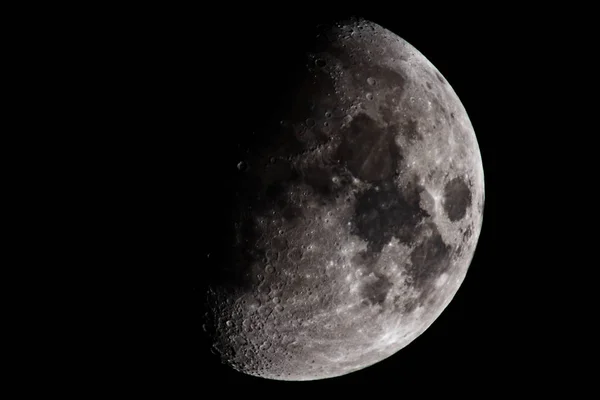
[[271, 255], [265, 346], [440, 77], [242, 166]]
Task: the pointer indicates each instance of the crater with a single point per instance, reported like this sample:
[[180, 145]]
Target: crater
[[385, 77], [440, 77]]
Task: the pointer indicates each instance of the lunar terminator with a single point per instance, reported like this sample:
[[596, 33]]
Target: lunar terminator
[[356, 216]]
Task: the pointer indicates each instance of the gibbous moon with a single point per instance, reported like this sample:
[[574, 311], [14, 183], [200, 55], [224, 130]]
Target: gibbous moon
[[356, 214]]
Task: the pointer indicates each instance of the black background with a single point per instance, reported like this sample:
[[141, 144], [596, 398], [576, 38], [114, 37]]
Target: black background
[[192, 83]]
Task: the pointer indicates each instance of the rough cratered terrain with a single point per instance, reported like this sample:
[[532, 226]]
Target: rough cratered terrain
[[355, 221]]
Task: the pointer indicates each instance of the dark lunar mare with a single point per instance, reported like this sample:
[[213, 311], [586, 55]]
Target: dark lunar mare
[[384, 213], [457, 198], [368, 151]]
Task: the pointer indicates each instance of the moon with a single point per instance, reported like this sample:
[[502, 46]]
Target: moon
[[355, 213]]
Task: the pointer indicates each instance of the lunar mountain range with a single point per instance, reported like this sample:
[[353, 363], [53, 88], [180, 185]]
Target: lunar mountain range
[[355, 214]]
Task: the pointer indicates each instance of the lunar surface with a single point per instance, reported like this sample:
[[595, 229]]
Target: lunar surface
[[355, 217]]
